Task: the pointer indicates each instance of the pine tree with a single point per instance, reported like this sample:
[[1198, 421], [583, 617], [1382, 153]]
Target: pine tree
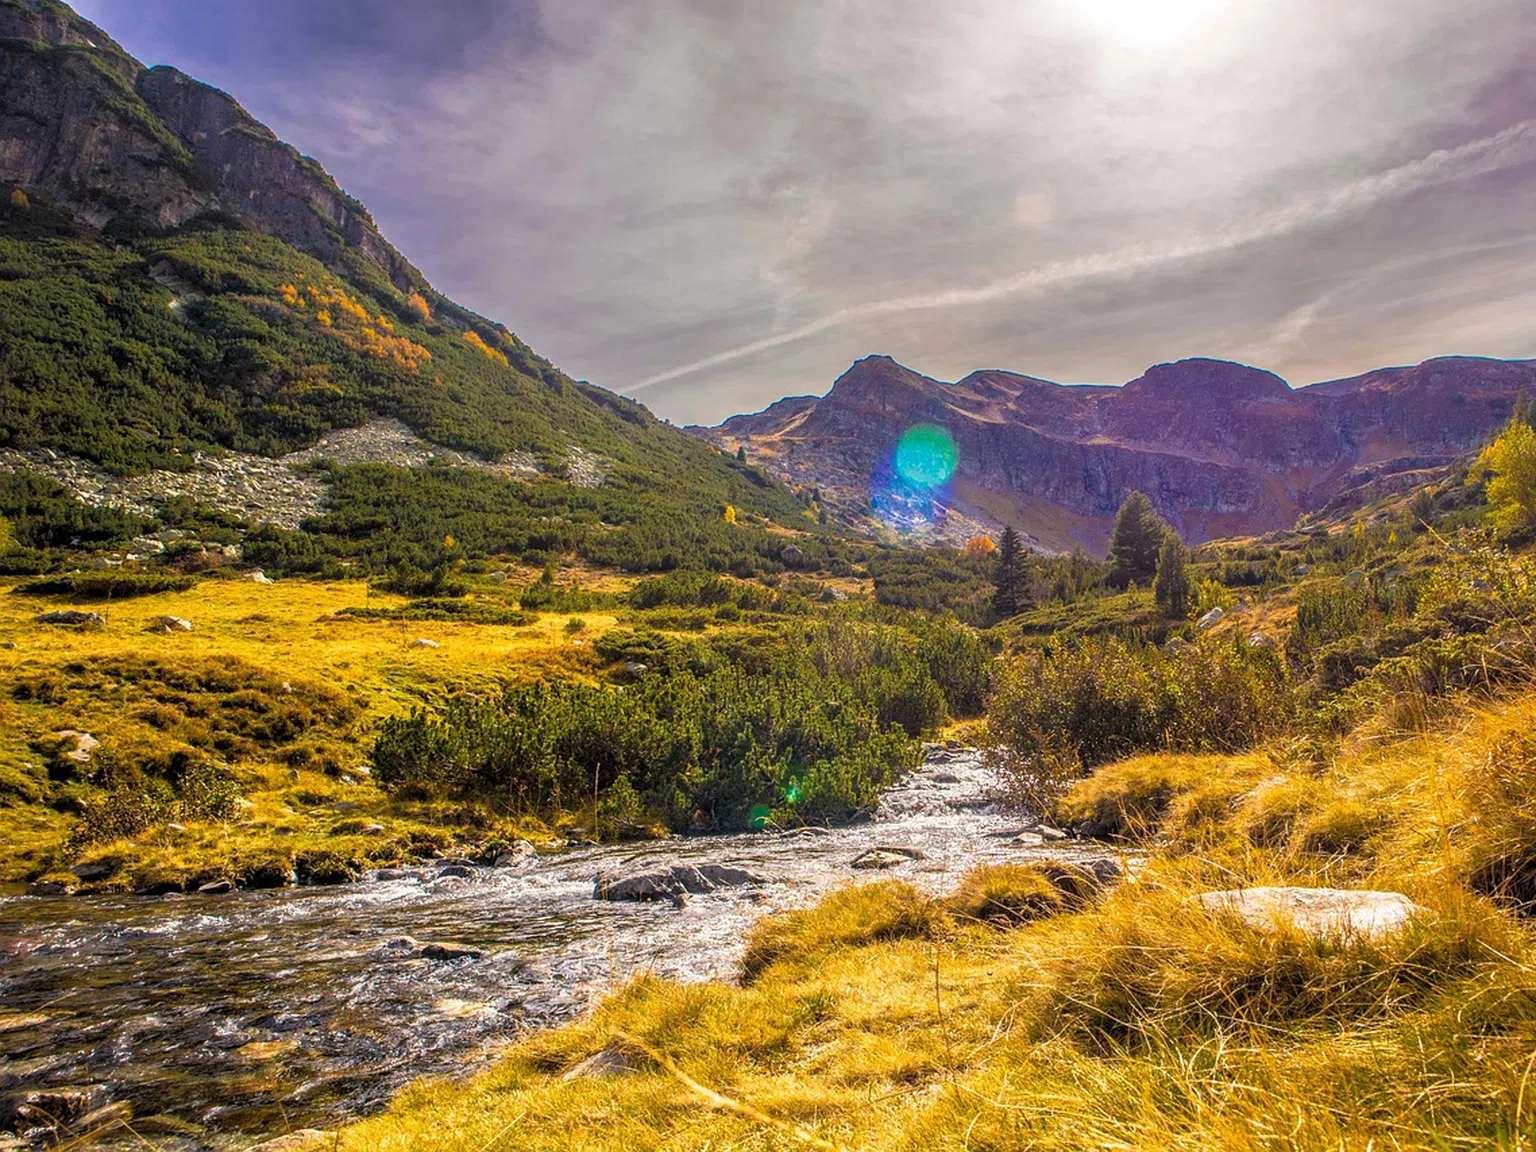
[[741, 453], [1008, 576], [1135, 542], [1171, 586]]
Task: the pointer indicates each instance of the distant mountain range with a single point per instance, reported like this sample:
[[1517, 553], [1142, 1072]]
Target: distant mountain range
[[1222, 449]]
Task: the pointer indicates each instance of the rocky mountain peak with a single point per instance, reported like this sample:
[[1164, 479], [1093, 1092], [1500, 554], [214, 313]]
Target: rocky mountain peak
[[157, 145], [1200, 381]]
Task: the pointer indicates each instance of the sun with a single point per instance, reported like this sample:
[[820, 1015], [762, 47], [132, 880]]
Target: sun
[[1148, 23]]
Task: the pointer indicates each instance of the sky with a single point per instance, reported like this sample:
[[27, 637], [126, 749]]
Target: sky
[[710, 204]]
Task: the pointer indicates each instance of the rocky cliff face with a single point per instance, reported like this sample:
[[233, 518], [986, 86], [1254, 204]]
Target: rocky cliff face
[[1221, 448], [84, 122]]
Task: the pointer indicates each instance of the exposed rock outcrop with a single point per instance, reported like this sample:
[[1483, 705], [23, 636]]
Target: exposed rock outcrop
[[83, 121]]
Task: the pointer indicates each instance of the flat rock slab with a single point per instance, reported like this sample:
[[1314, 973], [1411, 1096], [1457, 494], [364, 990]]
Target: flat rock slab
[[1318, 911], [680, 880]]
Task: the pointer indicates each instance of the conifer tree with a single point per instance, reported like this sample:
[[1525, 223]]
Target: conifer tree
[[1135, 542], [1008, 576], [1171, 586], [741, 453]]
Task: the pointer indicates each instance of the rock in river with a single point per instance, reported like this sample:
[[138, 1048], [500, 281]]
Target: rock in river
[[885, 857], [410, 948], [676, 881]]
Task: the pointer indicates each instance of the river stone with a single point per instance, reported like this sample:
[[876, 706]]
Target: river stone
[[51, 1107], [451, 952], [1038, 834], [455, 871], [608, 1062], [392, 874], [665, 884], [293, 1142], [1324, 912], [519, 852], [50, 888], [217, 888], [883, 857], [410, 948]]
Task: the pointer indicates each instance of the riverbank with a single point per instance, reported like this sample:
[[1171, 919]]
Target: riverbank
[[213, 1020], [890, 1018]]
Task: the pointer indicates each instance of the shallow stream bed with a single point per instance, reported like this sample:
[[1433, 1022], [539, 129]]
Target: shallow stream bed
[[217, 1018]]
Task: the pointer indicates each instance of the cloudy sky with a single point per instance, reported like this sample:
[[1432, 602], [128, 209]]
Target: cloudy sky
[[713, 203]]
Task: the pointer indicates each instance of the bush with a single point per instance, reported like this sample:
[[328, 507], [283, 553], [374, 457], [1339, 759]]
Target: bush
[[1096, 701], [109, 584]]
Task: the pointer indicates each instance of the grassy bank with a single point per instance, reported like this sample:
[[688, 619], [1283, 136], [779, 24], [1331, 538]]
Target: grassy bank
[[882, 1019], [279, 684]]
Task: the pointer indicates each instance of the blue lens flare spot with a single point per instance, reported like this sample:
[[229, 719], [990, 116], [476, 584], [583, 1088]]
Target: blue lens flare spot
[[760, 816], [927, 456], [792, 793]]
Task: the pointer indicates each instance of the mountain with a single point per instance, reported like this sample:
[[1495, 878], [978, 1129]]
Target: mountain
[[179, 287], [1221, 448]]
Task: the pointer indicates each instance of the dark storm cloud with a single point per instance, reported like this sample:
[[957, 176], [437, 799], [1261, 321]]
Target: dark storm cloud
[[716, 202]]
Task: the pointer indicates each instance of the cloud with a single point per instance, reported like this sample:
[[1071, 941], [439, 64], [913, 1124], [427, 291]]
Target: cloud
[[1507, 149]]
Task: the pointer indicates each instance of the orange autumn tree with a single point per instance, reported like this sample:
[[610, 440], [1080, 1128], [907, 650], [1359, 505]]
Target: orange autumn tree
[[474, 340], [348, 320], [979, 548]]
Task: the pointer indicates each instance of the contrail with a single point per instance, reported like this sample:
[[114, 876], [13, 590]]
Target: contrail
[[1514, 145]]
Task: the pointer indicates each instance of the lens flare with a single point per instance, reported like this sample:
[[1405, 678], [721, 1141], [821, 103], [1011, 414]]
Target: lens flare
[[759, 817], [927, 456]]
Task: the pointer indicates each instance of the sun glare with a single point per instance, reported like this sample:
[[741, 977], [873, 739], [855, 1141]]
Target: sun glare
[[1148, 23]]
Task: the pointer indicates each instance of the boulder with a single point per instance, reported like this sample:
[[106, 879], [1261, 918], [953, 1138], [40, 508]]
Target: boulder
[[608, 1062], [50, 888], [664, 884], [518, 853], [1212, 618], [217, 888], [1322, 912], [84, 744], [424, 643], [392, 874], [883, 857], [1262, 640], [792, 556], [70, 618], [455, 872], [259, 577], [169, 624]]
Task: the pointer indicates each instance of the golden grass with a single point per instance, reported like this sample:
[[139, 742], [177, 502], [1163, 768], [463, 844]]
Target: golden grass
[[881, 1019], [284, 632]]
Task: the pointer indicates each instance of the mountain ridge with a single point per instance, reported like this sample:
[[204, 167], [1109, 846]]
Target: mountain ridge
[[1221, 447]]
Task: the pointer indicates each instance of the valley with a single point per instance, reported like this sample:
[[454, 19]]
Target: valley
[[405, 745]]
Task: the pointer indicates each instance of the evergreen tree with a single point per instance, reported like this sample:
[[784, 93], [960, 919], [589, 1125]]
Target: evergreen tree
[[1135, 542], [741, 453], [1008, 576], [1525, 409], [1171, 586]]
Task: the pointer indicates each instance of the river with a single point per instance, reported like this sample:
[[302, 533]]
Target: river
[[216, 1018]]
